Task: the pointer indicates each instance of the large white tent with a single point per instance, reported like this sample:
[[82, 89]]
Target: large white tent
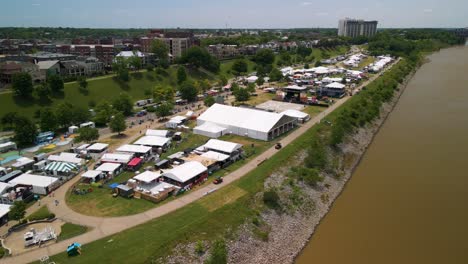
[[210, 130], [247, 122]]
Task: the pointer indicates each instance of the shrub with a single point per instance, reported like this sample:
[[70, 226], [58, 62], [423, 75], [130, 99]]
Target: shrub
[[199, 248], [271, 199], [218, 253]]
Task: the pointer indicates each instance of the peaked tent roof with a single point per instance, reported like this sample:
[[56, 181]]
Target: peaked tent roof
[[247, 118], [61, 166]]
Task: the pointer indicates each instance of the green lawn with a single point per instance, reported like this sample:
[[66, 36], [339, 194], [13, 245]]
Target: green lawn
[[318, 53], [105, 88], [100, 201], [314, 110], [41, 213], [227, 65], [69, 230]]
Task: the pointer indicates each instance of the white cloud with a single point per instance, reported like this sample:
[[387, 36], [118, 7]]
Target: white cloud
[[427, 10], [306, 3]]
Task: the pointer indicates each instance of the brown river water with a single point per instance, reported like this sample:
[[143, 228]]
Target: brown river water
[[407, 201]]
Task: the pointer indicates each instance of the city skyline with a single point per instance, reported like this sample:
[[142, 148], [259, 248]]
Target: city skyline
[[238, 14]]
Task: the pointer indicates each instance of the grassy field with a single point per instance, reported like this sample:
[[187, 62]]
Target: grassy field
[[227, 65], [103, 88], [42, 213], [260, 98], [314, 110], [69, 230], [100, 201]]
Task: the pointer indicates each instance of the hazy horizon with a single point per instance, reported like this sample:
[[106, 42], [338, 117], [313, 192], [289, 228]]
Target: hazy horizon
[[241, 14]]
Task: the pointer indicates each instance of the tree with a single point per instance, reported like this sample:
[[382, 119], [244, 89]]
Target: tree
[[104, 111], [22, 84], [55, 83], [209, 101], [303, 51], [317, 156], [9, 119], [188, 91], [242, 95], [161, 52], [43, 91], [88, 134], [123, 103], [25, 131], [135, 62], [260, 81], [275, 75], [223, 80], [120, 67], [181, 75], [271, 199], [204, 85], [117, 123], [251, 87], [164, 109], [163, 93], [240, 67], [83, 83], [48, 120], [64, 114], [218, 254], [17, 210], [80, 115], [306, 66], [199, 57], [264, 57]]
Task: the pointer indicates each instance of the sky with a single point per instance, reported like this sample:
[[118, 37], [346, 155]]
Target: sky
[[230, 14]]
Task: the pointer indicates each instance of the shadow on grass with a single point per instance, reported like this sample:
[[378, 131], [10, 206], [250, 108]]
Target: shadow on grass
[[119, 136], [123, 85], [83, 91], [58, 94], [150, 77], [44, 101], [24, 101], [137, 75]]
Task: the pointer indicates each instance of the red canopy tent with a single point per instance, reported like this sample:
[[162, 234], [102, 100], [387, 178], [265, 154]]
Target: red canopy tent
[[134, 163]]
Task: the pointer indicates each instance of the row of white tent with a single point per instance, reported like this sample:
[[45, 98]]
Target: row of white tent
[[380, 64]]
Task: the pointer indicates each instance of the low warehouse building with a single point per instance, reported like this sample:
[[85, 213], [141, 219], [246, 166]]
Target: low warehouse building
[[248, 122]]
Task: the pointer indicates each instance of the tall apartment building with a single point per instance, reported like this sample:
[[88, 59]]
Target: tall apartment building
[[356, 27]]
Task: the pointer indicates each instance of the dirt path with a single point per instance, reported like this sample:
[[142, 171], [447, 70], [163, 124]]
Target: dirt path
[[105, 226]]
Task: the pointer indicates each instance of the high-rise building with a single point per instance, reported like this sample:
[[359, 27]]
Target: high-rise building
[[356, 27]]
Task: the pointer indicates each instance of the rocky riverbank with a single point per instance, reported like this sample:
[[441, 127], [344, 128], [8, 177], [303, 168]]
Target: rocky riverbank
[[279, 236], [289, 232]]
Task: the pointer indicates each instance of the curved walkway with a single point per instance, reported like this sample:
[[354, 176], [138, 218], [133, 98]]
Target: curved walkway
[[105, 226]]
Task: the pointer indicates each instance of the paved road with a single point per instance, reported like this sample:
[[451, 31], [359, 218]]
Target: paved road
[[105, 226]]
